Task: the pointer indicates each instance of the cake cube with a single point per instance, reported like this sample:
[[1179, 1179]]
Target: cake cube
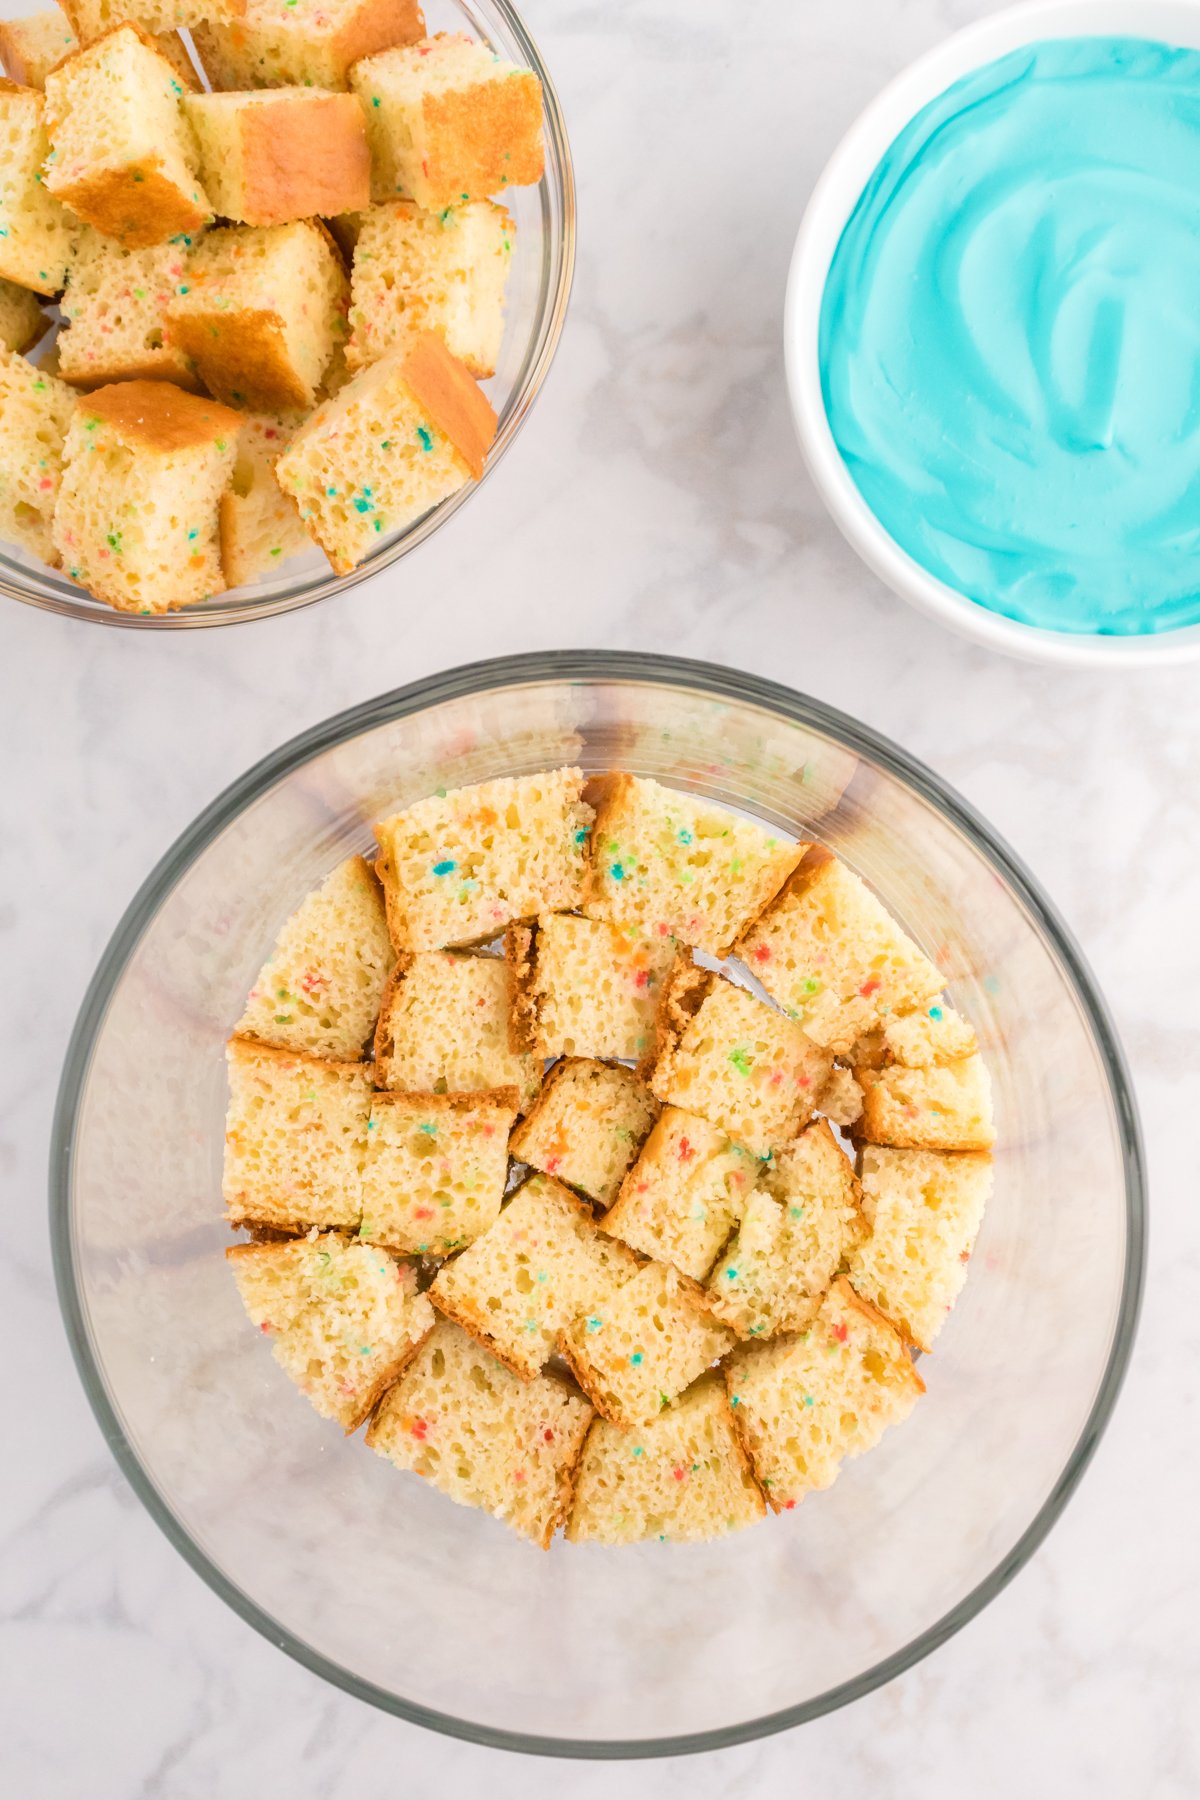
[[831, 955], [449, 121], [122, 155], [320, 988], [286, 153], [587, 1126], [735, 1061], [30, 47], [685, 1193], [420, 271], [260, 526], [460, 867], [343, 1318], [115, 314], [918, 1040], [90, 19], [303, 43], [923, 1210], [682, 1478], [22, 321], [444, 1027], [35, 413], [540, 1264], [390, 445], [945, 1107], [804, 1404], [436, 1169], [260, 311], [634, 1352], [467, 1425], [586, 988], [797, 1230], [670, 864], [36, 232], [144, 468], [295, 1138]]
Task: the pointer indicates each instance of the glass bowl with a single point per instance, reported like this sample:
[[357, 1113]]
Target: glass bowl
[[438, 1613], [536, 304]]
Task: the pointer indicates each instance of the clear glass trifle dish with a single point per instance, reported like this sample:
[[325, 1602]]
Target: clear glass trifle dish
[[536, 296], [435, 1612]]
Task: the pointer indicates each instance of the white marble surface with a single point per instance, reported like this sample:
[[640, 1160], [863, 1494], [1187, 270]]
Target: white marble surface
[[656, 500]]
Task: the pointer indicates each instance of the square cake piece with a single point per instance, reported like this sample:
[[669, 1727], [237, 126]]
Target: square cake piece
[[436, 1169], [466, 1424], [115, 314], [634, 1352], [798, 1228], [260, 525], [92, 18], [320, 988], [685, 1193], [36, 233], [35, 414], [804, 1404], [418, 271], [737, 1062], [682, 1478], [343, 1318], [459, 867], [144, 468], [670, 864], [541, 1263], [30, 47], [586, 1126], [390, 445], [282, 154], [833, 957], [260, 311], [122, 155], [444, 1027], [923, 1209], [295, 1138], [449, 121], [300, 43], [588, 988], [945, 1107]]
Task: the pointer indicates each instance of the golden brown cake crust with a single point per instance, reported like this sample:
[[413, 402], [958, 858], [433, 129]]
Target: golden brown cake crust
[[137, 208], [512, 116], [450, 395], [304, 155], [249, 360], [382, 26], [160, 416]]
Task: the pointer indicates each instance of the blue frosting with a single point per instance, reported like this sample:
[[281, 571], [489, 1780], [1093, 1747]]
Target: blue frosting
[[1010, 337]]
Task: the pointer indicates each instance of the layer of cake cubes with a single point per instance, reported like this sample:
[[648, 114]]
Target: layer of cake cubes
[[632, 1253], [318, 243]]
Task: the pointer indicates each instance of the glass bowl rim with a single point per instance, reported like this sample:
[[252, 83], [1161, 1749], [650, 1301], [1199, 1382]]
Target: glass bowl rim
[[545, 334], [583, 668]]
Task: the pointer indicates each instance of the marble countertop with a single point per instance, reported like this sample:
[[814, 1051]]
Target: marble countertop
[[655, 500]]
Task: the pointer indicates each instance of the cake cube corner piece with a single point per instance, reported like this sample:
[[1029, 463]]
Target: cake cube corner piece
[[435, 1169], [532, 1272], [144, 468], [804, 1404], [681, 1478], [587, 1126], [342, 1318], [472, 1429], [450, 121]]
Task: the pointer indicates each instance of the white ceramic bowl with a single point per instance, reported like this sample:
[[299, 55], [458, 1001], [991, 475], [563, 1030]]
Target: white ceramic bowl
[[833, 200]]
